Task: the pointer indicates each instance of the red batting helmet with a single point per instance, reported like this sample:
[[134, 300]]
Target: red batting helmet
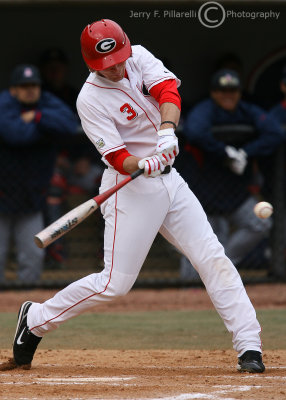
[[104, 44]]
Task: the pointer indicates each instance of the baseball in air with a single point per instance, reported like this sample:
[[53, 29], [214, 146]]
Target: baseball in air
[[263, 209]]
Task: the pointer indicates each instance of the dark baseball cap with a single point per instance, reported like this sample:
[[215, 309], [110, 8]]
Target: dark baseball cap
[[225, 79], [25, 74]]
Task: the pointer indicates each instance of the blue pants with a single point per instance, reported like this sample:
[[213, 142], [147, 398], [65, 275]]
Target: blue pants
[[239, 232], [22, 228]]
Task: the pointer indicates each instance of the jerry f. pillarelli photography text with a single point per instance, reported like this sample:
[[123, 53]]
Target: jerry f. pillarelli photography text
[[162, 14]]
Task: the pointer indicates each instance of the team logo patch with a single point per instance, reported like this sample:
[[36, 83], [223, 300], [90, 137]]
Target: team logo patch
[[100, 143], [228, 80], [105, 45], [28, 72]]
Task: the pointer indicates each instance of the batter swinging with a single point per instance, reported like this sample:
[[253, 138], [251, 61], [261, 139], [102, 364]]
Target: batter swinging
[[129, 108]]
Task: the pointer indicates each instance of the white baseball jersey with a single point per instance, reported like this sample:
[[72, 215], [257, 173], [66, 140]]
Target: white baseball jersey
[[119, 115], [115, 115]]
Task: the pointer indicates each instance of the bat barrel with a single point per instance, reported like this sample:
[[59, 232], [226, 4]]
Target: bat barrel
[[78, 214], [65, 224]]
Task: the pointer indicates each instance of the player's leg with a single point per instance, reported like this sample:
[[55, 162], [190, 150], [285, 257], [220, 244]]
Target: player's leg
[[250, 231], [30, 258], [186, 226], [5, 232], [221, 228], [132, 219]]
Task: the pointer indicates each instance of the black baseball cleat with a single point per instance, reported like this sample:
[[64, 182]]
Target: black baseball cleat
[[250, 361], [25, 342]]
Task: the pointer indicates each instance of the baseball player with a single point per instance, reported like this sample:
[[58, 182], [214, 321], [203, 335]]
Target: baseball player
[[129, 108]]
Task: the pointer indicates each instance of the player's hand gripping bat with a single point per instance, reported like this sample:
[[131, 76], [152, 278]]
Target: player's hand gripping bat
[[74, 217]]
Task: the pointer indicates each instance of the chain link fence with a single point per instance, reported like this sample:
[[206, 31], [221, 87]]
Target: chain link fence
[[80, 252]]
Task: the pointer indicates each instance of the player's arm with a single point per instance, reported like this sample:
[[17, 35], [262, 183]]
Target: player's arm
[[169, 100], [130, 164], [123, 161], [126, 163], [167, 95], [170, 113]]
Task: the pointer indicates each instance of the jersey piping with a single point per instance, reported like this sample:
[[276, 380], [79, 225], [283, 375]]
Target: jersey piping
[[112, 263], [102, 87]]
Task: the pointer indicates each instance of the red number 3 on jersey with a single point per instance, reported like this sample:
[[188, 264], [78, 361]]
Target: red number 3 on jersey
[[129, 110]]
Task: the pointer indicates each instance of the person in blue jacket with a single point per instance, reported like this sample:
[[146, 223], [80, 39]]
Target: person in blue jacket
[[32, 123], [220, 167]]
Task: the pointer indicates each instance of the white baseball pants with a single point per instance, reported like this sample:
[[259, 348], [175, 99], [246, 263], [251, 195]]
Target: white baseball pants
[[133, 217]]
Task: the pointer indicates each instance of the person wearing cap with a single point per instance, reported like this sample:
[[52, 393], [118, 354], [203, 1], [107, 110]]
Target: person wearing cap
[[220, 169], [129, 108], [32, 124]]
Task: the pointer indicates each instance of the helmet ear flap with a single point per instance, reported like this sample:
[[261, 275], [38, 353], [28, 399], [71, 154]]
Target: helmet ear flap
[[104, 44]]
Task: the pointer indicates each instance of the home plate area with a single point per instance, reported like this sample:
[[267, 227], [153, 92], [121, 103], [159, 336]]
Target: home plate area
[[142, 375]]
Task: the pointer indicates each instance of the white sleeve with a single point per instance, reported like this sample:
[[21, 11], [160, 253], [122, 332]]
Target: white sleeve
[[99, 128], [153, 69]]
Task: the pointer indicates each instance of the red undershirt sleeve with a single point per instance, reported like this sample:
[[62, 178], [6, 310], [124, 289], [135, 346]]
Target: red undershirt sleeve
[[166, 92], [116, 159]]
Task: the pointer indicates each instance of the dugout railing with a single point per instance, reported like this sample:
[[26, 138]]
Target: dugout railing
[[84, 245]]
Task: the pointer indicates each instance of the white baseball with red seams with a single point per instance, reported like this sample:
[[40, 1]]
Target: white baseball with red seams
[[263, 209], [119, 115]]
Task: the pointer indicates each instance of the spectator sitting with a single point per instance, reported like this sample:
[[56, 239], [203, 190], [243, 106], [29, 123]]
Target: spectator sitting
[[85, 176], [31, 124], [222, 169]]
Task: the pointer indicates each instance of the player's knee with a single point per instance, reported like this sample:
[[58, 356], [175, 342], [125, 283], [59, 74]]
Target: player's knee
[[120, 284], [118, 290], [122, 291]]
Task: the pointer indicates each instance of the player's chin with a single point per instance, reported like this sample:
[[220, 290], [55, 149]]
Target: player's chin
[[116, 78]]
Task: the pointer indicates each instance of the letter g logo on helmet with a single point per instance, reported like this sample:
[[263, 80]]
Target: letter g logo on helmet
[[105, 45], [101, 39]]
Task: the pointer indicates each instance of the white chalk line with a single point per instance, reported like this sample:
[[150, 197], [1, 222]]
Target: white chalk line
[[211, 396], [84, 379], [74, 381], [120, 381]]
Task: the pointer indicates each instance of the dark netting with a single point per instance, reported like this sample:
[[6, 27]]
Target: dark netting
[[80, 252]]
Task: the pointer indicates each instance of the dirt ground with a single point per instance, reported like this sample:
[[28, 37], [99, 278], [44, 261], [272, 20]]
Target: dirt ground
[[169, 375], [151, 374]]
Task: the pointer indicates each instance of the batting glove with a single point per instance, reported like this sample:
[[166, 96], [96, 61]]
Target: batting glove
[[152, 166], [167, 146], [237, 159]]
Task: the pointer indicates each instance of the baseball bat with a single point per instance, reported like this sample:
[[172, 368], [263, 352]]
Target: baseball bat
[[74, 217]]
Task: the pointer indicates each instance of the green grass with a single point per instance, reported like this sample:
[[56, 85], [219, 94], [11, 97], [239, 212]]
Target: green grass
[[150, 330]]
